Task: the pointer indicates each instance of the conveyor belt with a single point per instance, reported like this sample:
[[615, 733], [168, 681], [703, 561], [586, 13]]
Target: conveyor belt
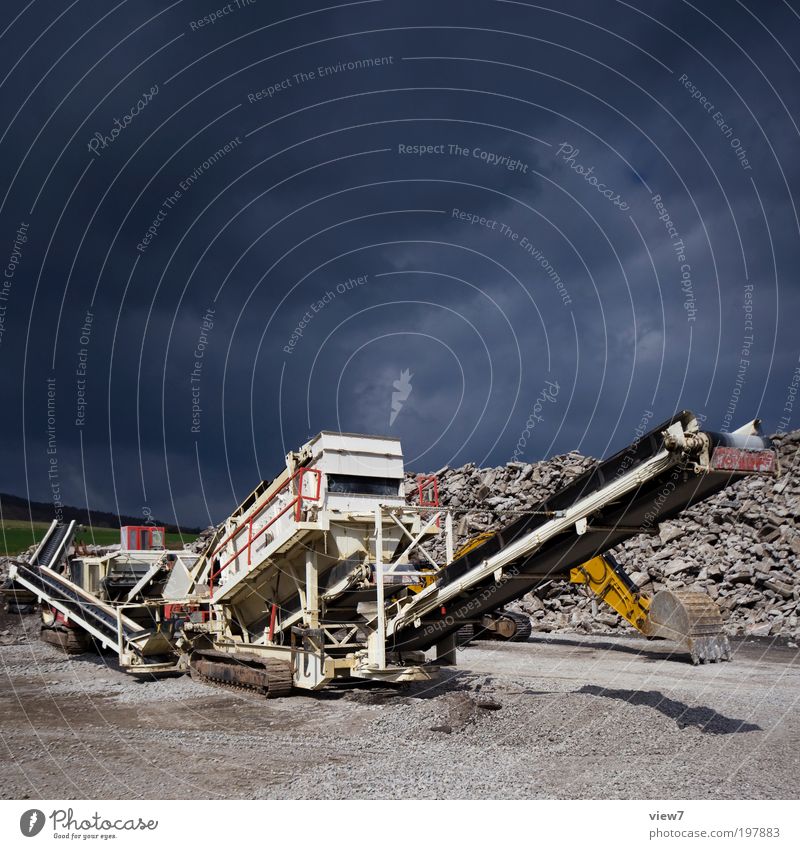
[[53, 545], [81, 605], [659, 498], [49, 552], [86, 610]]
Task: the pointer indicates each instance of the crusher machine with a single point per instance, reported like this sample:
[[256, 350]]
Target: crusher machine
[[323, 574], [122, 601]]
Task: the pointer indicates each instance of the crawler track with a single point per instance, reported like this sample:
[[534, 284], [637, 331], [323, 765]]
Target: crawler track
[[68, 640], [522, 630], [523, 624], [269, 678]]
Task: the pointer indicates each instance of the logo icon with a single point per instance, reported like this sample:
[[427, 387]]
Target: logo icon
[[31, 822], [401, 393]]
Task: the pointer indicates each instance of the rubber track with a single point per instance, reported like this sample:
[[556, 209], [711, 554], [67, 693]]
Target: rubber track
[[279, 675], [68, 640], [523, 631], [524, 626]]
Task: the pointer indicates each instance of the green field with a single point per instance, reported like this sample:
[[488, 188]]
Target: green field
[[17, 535]]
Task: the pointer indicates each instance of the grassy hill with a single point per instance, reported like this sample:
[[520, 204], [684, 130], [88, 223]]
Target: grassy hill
[[16, 535], [18, 532], [16, 508]]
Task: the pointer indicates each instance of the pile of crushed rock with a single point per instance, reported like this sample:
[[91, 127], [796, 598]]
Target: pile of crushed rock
[[741, 546]]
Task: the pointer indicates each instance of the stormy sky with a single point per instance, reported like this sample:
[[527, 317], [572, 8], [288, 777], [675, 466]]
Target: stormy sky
[[499, 230]]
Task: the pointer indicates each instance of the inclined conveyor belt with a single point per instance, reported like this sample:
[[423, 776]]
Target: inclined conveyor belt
[[658, 498], [52, 546], [83, 608]]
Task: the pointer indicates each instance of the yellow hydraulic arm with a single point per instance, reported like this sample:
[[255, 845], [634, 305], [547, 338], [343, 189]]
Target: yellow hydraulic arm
[[686, 616], [612, 585]]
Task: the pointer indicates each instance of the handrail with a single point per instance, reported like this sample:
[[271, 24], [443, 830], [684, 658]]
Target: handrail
[[428, 484], [296, 502]]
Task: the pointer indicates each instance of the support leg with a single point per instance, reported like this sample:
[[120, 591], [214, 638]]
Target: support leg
[[446, 651]]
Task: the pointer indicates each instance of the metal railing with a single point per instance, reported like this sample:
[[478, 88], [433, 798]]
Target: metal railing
[[296, 502]]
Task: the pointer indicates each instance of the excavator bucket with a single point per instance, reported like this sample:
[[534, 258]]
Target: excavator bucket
[[691, 619]]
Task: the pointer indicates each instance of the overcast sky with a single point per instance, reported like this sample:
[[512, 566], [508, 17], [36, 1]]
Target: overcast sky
[[497, 230]]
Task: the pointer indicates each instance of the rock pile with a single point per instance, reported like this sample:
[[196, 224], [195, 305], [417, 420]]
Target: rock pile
[[742, 546], [198, 546]]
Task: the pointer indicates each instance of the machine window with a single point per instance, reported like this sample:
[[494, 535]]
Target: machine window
[[362, 485]]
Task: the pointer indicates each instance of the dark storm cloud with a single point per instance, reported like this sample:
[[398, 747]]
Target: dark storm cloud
[[239, 212]]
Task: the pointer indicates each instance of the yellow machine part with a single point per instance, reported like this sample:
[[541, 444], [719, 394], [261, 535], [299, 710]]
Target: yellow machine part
[[600, 577], [423, 581], [471, 544], [686, 616]]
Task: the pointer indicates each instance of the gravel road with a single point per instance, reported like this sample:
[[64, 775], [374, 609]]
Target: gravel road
[[562, 716]]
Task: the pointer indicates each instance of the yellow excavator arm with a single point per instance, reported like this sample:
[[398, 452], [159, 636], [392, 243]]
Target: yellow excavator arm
[[688, 617], [611, 584]]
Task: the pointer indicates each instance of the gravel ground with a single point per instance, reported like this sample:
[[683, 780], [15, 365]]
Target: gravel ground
[[562, 716]]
